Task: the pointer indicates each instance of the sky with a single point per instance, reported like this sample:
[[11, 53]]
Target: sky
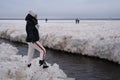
[[61, 8]]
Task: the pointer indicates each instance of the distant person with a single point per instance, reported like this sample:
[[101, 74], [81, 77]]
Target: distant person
[[77, 21], [33, 39], [46, 20]]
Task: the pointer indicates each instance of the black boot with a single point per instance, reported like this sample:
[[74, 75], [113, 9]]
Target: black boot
[[42, 62], [29, 65], [45, 65]]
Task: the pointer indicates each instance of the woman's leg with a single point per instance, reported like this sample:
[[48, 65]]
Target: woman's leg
[[30, 52], [41, 49]]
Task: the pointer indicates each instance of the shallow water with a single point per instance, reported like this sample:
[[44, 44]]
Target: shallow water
[[76, 66]]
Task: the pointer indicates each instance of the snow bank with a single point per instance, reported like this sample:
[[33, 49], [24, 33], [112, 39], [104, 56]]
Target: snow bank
[[93, 38], [14, 67]]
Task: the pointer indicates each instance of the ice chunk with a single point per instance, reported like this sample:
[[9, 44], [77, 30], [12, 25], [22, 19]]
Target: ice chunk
[[14, 67]]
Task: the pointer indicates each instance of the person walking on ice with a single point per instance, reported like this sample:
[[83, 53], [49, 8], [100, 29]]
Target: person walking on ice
[[33, 39]]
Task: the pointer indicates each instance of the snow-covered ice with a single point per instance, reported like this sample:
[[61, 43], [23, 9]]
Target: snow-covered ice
[[14, 67], [93, 38]]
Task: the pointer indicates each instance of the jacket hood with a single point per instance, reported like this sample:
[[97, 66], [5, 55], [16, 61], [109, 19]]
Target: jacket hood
[[28, 17], [31, 19]]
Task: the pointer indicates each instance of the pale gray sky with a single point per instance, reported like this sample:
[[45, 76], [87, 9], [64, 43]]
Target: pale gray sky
[[61, 8]]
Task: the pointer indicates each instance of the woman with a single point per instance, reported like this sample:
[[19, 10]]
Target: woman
[[33, 39]]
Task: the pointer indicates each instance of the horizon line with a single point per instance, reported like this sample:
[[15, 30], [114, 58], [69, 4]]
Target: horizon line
[[63, 18]]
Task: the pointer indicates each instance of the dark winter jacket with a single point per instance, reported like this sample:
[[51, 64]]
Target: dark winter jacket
[[32, 32]]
